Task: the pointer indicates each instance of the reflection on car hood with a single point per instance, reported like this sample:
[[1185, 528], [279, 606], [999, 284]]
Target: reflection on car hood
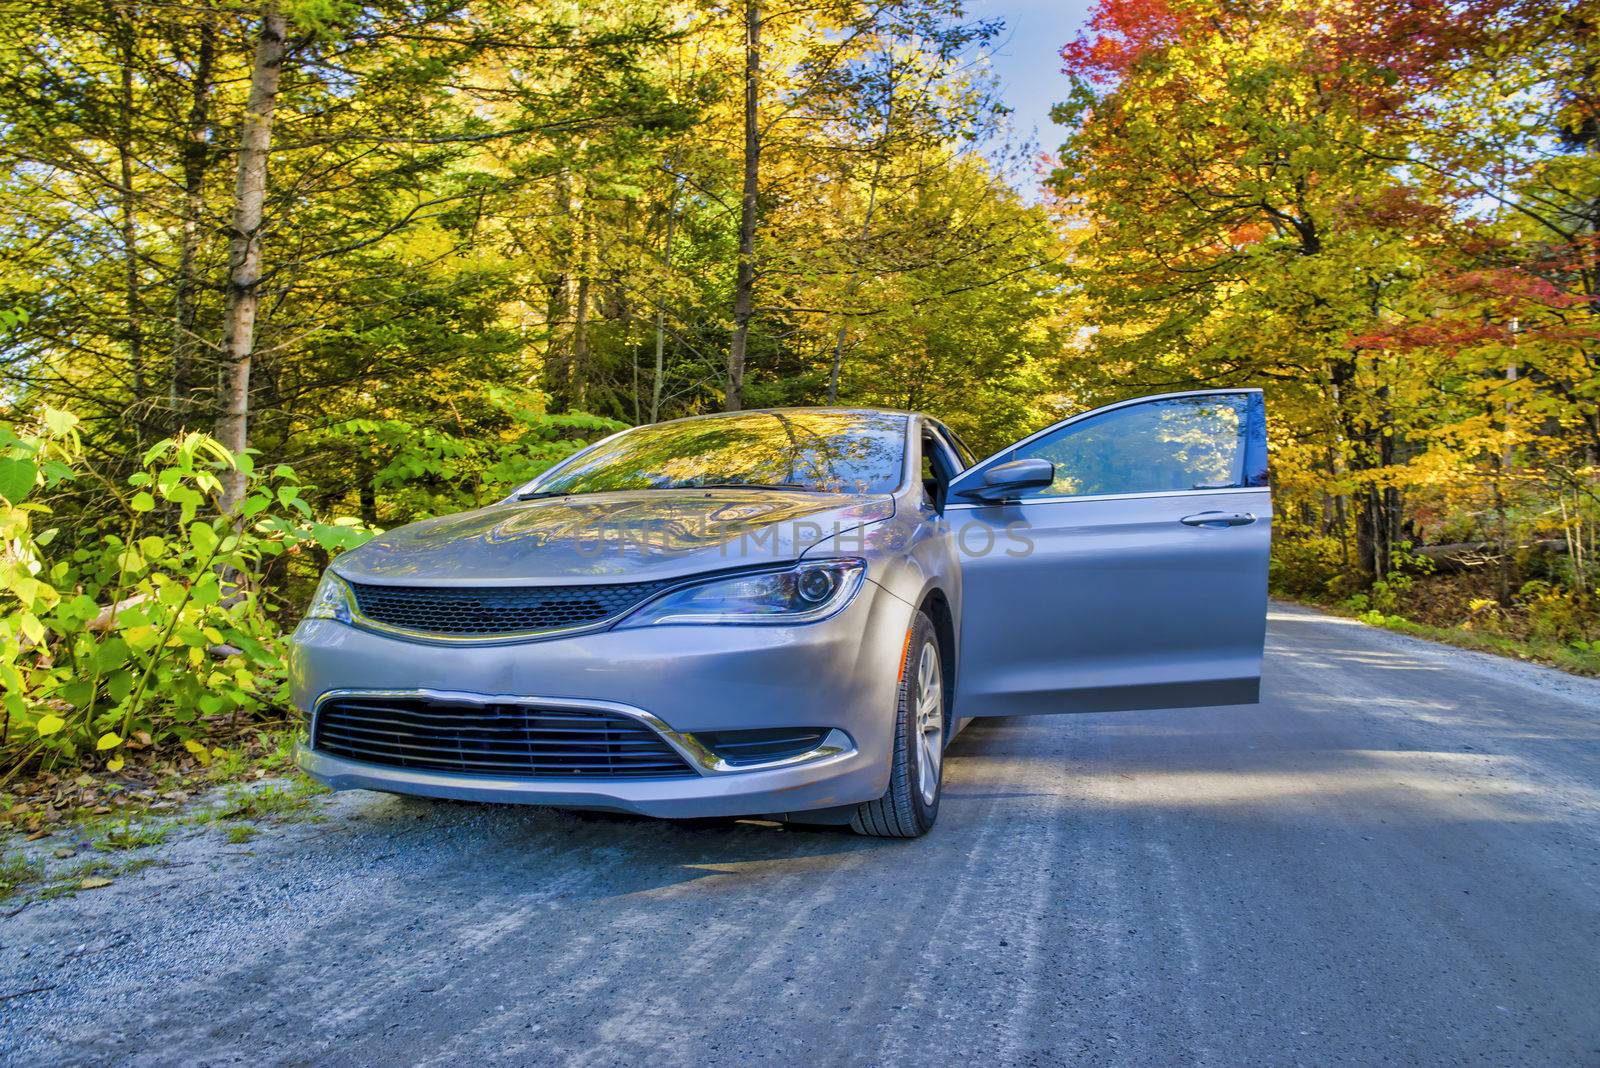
[[608, 537]]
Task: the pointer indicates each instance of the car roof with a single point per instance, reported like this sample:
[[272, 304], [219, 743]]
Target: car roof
[[838, 410]]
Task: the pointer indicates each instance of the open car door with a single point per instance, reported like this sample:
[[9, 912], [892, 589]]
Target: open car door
[[1117, 560]]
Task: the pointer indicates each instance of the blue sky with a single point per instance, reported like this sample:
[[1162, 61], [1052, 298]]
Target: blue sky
[[1026, 58]]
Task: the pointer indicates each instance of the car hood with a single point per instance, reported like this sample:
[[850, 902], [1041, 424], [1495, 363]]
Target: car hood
[[629, 536]]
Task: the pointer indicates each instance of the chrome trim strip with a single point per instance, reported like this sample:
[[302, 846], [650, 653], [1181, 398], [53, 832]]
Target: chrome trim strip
[[1108, 497], [698, 756]]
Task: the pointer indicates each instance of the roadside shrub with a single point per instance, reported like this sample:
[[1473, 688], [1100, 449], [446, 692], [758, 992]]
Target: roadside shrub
[[146, 625], [1559, 614], [1304, 566]]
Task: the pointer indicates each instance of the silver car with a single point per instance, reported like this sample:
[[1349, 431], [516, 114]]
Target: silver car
[[790, 613]]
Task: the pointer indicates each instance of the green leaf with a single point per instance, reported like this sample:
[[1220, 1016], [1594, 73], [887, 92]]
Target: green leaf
[[119, 685], [112, 654], [49, 724], [58, 422], [203, 538], [143, 502], [32, 629], [205, 591], [17, 478], [78, 693]]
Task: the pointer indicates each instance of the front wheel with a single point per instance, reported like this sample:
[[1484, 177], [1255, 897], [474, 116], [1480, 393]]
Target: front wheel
[[911, 804]]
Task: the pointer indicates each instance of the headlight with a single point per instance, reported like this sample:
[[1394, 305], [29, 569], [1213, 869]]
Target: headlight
[[332, 599], [803, 594]]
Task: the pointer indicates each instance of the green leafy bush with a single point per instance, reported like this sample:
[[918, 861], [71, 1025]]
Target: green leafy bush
[[150, 625], [1560, 614], [1304, 566], [418, 469]]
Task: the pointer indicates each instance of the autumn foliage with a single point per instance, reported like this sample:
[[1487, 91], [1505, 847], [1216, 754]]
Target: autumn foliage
[[1386, 213]]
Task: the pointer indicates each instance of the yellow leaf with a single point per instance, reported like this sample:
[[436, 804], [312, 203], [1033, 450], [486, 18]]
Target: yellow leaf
[[94, 882], [114, 764], [49, 724], [108, 740]]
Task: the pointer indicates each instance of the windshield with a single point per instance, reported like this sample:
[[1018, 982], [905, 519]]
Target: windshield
[[824, 451]]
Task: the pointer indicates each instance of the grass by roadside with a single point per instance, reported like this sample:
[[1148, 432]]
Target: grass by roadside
[[1578, 658], [62, 835]]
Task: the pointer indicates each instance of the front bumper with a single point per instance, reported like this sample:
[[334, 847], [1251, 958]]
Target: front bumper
[[839, 674]]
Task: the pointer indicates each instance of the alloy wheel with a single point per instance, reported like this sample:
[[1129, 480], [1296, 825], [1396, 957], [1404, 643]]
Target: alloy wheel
[[930, 722]]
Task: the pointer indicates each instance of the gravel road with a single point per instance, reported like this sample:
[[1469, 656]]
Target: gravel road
[[1395, 858]]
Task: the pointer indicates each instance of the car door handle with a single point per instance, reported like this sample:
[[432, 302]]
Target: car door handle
[[1218, 519]]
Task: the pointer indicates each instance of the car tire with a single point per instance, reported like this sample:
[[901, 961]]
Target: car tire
[[909, 806]]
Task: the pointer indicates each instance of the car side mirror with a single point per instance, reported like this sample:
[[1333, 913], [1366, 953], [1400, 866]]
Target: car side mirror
[[1004, 481]]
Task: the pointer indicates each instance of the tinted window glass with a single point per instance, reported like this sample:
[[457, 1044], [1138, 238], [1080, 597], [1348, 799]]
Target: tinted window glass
[[957, 446], [845, 452], [1160, 446]]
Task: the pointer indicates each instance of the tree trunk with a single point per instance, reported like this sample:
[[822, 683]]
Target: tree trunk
[[661, 304], [557, 354], [1343, 457], [854, 284], [744, 286], [367, 492], [1380, 518], [181, 387], [579, 389], [130, 234], [851, 288], [244, 249]]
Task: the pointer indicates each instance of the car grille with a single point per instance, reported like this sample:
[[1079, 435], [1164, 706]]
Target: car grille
[[523, 741], [491, 611]]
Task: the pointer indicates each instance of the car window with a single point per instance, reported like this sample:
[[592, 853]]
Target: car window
[[844, 452], [963, 455], [1167, 445], [939, 465]]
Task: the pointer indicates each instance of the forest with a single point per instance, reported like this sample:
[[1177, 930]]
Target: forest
[[276, 275]]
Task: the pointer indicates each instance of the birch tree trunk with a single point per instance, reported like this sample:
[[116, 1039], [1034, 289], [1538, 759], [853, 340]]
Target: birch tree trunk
[[744, 285], [244, 249]]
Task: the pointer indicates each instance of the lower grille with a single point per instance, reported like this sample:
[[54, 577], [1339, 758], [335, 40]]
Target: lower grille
[[512, 740], [763, 744]]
